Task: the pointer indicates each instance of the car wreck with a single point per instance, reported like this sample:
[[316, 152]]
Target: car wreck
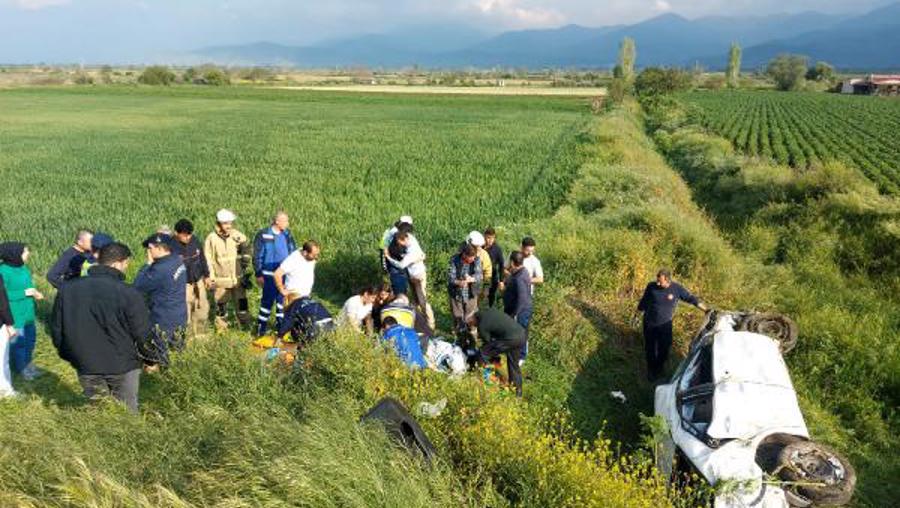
[[733, 416]]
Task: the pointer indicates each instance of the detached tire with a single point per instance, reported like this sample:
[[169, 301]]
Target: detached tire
[[821, 475], [778, 327]]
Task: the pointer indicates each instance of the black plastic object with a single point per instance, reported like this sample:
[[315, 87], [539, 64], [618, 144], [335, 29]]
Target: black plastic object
[[401, 426]]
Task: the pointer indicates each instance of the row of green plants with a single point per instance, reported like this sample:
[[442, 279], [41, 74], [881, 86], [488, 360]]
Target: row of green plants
[[820, 244], [803, 130]]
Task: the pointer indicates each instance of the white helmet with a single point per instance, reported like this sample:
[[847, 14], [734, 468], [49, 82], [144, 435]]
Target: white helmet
[[405, 219], [223, 216], [475, 238]]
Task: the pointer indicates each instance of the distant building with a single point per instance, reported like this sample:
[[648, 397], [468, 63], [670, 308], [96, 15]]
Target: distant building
[[873, 84]]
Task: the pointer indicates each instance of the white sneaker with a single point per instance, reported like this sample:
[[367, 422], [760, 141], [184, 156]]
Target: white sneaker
[[521, 363]]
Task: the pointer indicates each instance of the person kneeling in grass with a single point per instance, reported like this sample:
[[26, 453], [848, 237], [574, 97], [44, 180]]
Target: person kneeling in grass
[[99, 325], [500, 334], [406, 343]]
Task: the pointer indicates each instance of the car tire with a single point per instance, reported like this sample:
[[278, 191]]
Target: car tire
[[820, 474], [776, 326], [770, 448]]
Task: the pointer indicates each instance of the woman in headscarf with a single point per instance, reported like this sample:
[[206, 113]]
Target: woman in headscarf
[[21, 293], [6, 334]]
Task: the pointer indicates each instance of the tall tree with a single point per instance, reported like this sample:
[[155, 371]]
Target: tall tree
[[788, 71], [734, 65], [627, 57]]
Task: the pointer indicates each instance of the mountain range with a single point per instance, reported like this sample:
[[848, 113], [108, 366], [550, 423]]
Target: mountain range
[[869, 41]]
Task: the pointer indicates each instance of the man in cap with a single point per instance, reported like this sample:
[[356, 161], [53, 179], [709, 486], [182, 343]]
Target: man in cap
[[189, 249], [57, 273], [271, 246], [163, 281], [476, 239], [227, 252]]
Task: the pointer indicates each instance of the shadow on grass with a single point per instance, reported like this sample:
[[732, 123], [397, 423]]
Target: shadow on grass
[[616, 365], [49, 387]]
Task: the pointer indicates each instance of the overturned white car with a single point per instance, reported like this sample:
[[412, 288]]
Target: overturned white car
[[732, 415]]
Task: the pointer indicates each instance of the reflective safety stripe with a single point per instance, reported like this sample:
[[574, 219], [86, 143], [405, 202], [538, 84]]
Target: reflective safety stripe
[[263, 310], [266, 272], [263, 319]]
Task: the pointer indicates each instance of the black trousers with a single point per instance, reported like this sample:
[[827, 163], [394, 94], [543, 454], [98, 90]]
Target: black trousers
[[513, 350], [492, 292], [123, 387], [657, 344]]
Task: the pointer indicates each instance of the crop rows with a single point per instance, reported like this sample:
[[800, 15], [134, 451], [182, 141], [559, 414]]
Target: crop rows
[[803, 129]]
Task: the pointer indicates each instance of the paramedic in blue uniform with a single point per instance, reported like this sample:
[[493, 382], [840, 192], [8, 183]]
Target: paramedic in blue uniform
[[163, 280], [270, 247], [658, 305]]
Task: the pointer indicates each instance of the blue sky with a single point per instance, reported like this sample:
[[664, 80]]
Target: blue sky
[[148, 30]]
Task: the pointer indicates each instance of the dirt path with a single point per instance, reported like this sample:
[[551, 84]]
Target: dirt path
[[456, 90]]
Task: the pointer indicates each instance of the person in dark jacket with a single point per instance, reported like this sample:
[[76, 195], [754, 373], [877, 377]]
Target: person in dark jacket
[[99, 323], [517, 299], [163, 280], [7, 331], [306, 319], [188, 248], [496, 254], [271, 246], [658, 305], [500, 334], [6, 317], [56, 275], [81, 262]]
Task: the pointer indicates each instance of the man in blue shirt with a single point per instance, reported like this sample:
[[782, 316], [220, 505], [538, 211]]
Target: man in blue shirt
[[405, 341], [271, 246], [164, 281], [658, 305]]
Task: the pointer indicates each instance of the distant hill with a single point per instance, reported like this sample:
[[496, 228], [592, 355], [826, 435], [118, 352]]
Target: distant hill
[[870, 41]]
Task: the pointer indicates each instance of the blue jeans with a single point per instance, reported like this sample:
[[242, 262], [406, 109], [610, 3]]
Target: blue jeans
[[21, 349], [399, 280], [524, 319], [270, 295]]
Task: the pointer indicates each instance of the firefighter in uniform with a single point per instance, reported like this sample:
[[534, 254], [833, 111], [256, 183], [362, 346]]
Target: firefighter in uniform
[[227, 252]]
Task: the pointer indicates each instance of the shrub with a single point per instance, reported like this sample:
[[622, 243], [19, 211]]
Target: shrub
[[788, 71], [156, 75]]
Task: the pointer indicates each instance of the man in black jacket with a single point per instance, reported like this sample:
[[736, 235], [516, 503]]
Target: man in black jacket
[[500, 334], [191, 252], [658, 305], [496, 253], [56, 275], [99, 323], [517, 299], [163, 280]]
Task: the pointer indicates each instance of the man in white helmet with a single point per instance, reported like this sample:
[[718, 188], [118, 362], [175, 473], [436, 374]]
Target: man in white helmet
[[227, 252], [476, 239]]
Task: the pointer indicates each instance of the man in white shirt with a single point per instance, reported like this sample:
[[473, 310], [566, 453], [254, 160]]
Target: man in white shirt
[[532, 263], [296, 275], [357, 310], [414, 264]]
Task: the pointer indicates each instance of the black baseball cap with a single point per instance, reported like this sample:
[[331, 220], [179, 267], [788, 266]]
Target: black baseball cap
[[158, 239]]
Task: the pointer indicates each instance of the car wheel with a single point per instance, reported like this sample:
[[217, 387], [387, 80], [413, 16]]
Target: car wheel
[[816, 473], [778, 327], [770, 448]]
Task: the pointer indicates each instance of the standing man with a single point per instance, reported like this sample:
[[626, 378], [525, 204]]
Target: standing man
[[532, 263], [517, 302], [227, 252], [57, 273], [163, 280], [188, 248], [463, 285], [500, 334], [658, 305], [296, 275], [476, 239], [98, 324], [496, 254], [82, 261], [271, 246]]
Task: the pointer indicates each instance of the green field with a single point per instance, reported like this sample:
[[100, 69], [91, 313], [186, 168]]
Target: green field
[[808, 129], [608, 205]]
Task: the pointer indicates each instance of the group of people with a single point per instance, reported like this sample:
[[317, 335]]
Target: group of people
[[110, 331]]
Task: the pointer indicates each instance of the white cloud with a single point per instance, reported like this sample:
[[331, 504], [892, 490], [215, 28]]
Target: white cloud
[[513, 13], [662, 5], [33, 5]]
